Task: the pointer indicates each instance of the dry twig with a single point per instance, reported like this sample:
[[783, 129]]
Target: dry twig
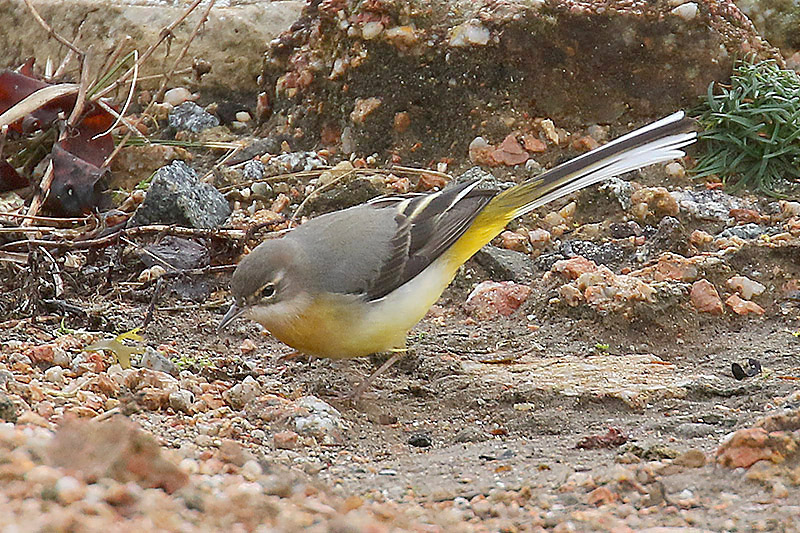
[[165, 34], [163, 87], [49, 29]]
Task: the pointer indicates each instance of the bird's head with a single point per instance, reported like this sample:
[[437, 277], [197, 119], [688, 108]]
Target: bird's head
[[267, 284]]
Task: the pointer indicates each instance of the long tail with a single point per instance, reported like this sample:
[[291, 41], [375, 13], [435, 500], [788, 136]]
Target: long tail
[[655, 143]]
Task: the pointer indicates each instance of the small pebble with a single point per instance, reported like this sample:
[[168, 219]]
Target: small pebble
[[286, 440], [251, 470], [420, 440], [181, 401], [687, 11], [178, 95], [371, 30], [69, 490], [55, 374], [675, 170]]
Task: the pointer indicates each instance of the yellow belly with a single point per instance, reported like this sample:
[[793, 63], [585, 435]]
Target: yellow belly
[[341, 326]]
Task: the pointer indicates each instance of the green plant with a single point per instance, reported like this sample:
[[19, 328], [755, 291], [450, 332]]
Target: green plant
[[751, 129]]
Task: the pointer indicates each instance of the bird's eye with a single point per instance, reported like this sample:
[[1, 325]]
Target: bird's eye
[[268, 291]]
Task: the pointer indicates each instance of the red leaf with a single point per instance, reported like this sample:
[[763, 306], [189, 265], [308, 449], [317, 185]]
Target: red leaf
[[74, 189], [10, 178]]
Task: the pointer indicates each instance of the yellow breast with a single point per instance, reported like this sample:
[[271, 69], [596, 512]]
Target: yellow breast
[[341, 326]]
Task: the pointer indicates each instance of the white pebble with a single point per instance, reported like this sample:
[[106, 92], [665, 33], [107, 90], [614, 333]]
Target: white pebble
[[178, 95], [469, 33], [243, 116], [55, 374], [181, 400], [251, 470], [371, 30], [675, 170], [261, 188], [189, 466], [687, 11], [61, 357], [550, 131], [68, 489]]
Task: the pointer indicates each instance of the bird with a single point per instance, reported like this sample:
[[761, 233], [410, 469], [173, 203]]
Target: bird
[[355, 281]]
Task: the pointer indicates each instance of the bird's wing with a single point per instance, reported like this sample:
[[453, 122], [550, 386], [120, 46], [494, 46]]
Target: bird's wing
[[427, 225], [373, 248]]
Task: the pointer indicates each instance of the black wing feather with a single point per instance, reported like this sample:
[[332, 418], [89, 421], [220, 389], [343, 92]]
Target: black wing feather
[[424, 235]]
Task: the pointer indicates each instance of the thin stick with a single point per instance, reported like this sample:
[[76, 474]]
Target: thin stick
[[131, 128], [166, 32], [163, 87], [63, 65], [317, 192], [47, 180], [153, 302], [58, 283], [51, 31], [120, 145], [113, 58], [145, 251], [80, 101], [29, 229], [3, 134], [234, 235], [221, 162], [47, 219], [39, 197], [186, 70]]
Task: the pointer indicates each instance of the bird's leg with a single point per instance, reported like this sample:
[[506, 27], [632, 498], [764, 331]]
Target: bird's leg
[[364, 385]]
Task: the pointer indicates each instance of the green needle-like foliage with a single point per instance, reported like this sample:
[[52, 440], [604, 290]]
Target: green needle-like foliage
[[751, 130]]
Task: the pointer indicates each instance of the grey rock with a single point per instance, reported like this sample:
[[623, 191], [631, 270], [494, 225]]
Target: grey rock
[[176, 196], [262, 189], [745, 231], [297, 161], [669, 236], [704, 387], [8, 411], [354, 192], [177, 252], [623, 230], [546, 261], [488, 180], [709, 204], [191, 117], [693, 430], [470, 435], [5, 377], [181, 400], [506, 265], [607, 253], [155, 360], [253, 170], [619, 189]]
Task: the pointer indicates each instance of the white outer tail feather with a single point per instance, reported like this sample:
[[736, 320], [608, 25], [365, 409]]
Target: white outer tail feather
[[658, 151]]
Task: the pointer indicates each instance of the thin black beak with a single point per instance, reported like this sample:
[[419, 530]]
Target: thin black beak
[[234, 312]]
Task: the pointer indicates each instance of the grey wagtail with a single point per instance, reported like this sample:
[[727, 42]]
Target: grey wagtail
[[354, 282]]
